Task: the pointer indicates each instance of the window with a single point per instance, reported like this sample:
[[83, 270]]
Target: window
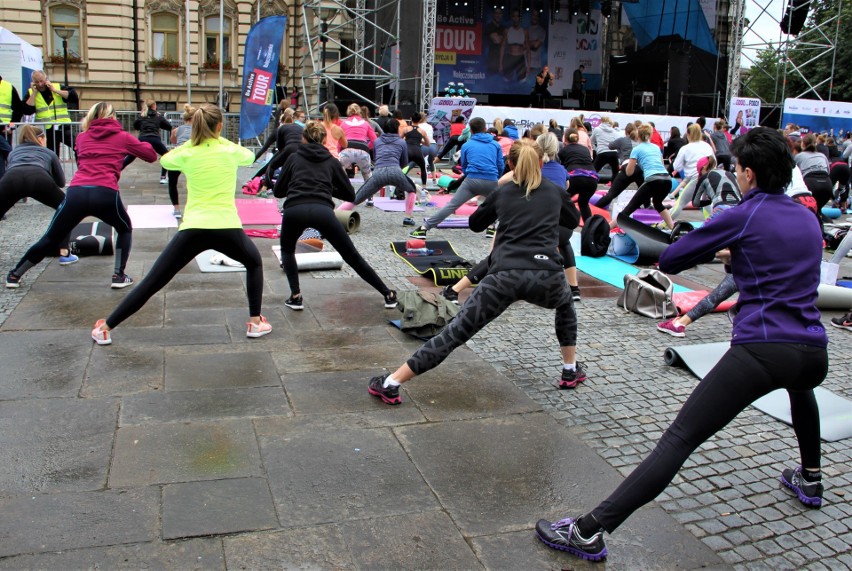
[[65, 17], [211, 41], [164, 37]]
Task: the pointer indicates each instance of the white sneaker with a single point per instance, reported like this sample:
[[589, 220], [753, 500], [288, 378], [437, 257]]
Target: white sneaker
[[101, 336]]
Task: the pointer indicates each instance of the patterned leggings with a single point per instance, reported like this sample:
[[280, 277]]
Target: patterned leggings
[[494, 294]]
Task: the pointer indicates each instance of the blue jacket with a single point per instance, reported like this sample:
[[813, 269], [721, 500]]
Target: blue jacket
[[482, 157], [776, 248], [511, 131]]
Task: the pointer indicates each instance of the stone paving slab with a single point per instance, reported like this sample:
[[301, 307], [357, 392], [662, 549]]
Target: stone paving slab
[[315, 547], [224, 370], [171, 337], [121, 369], [40, 364], [203, 405]]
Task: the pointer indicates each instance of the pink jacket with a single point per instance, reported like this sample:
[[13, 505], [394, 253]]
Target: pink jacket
[[101, 150], [356, 129]]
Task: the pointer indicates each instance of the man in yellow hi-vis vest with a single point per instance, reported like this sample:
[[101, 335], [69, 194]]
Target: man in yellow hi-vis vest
[[48, 101], [10, 112]]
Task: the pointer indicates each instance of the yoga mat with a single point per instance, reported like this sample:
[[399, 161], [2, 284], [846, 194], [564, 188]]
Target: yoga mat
[[831, 212], [454, 222], [258, 210], [307, 260], [350, 219], [441, 200], [686, 300], [835, 411], [596, 210], [207, 266], [834, 297], [443, 266], [386, 204], [647, 216], [651, 242], [844, 283], [152, 216], [623, 247]]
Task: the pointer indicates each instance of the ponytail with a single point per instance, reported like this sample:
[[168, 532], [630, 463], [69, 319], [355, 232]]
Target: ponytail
[[29, 133], [100, 110], [314, 132], [188, 112], [525, 157], [205, 122]]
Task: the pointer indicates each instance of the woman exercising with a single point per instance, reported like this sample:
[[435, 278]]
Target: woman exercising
[[657, 180], [178, 137]]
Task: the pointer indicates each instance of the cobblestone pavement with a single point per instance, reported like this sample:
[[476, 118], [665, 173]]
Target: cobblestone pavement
[[727, 494]]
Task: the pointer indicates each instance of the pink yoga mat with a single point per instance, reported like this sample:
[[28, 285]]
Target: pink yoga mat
[[258, 210], [386, 204], [152, 216], [441, 200]]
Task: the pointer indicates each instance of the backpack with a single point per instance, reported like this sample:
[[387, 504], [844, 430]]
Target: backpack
[[594, 239], [424, 314]]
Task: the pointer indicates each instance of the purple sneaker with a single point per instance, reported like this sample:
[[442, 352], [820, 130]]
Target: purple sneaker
[[810, 493], [564, 536], [672, 328]]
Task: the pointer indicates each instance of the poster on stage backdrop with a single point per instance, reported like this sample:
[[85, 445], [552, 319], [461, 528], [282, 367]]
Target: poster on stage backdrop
[[262, 49], [492, 49], [815, 116], [744, 111], [445, 110]]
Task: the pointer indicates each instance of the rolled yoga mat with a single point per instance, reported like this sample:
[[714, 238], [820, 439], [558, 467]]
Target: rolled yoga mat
[[350, 219], [307, 260], [831, 212], [834, 297], [650, 241]]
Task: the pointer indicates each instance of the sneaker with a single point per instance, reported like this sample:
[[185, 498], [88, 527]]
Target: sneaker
[[101, 336], [390, 300], [418, 233], [120, 281], [575, 293], [389, 395], [564, 536], [409, 222], [672, 328], [177, 214], [13, 281], [450, 295], [164, 180], [844, 322], [295, 303], [369, 202], [810, 493], [68, 260], [259, 330], [490, 231], [570, 379]]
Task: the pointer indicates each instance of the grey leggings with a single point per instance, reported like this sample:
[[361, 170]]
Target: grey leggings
[[492, 296], [719, 294], [469, 188], [384, 176], [842, 249]]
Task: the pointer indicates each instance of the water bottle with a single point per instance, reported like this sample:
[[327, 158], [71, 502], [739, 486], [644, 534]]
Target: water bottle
[[419, 252], [424, 196]]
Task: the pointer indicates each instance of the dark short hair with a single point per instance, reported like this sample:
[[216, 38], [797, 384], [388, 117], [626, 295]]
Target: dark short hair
[[477, 125], [766, 152], [392, 126]]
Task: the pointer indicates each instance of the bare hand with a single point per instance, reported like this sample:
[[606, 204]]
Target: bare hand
[[724, 256]]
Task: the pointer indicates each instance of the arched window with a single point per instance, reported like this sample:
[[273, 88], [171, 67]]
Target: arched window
[[211, 41], [165, 36], [64, 17]]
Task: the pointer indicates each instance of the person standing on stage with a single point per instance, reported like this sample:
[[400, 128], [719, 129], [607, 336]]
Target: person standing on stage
[[541, 93], [578, 84]]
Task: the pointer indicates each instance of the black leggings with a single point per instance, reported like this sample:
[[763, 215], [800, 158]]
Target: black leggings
[[724, 161], [30, 182], [619, 184], [607, 158], [744, 374], [81, 201], [185, 245], [820, 186], [492, 296], [655, 188], [311, 215], [841, 175], [156, 142], [451, 144], [415, 157], [584, 187], [173, 190]]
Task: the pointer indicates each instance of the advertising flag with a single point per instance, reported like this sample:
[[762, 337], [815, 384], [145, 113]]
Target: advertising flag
[[260, 71]]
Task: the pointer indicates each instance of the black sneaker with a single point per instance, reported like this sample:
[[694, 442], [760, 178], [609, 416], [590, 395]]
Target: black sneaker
[[575, 293], [389, 395], [294, 303], [564, 536], [450, 294], [418, 233], [408, 222], [390, 300], [121, 281], [570, 379], [810, 493], [13, 281], [844, 322]]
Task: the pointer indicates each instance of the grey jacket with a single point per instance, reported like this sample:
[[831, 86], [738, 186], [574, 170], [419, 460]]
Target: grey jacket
[[33, 155]]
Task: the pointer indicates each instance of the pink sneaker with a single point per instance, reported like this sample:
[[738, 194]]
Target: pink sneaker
[[259, 330], [101, 336], [672, 328]]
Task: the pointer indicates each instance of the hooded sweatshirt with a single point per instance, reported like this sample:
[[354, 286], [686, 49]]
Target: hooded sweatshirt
[[511, 131], [356, 129], [391, 151], [312, 176], [151, 124], [101, 150], [603, 135], [482, 157]]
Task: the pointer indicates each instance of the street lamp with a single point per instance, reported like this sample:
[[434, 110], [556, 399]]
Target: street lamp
[[65, 34]]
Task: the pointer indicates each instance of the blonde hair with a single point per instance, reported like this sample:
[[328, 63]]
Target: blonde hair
[[525, 157], [100, 110], [536, 130], [577, 123], [693, 133], [288, 116], [645, 131], [149, 103], [549, 146], [711, 163], [314, 132], [353, 109], [205, 122], [607, 120], [29, 134], [498, 124], [188, 112]]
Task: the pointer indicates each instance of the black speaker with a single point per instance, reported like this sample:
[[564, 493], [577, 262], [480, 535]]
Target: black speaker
[[366, 88]]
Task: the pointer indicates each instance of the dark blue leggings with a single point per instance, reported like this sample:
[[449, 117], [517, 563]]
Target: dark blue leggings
[[81, 201], [744, 374], [156, 142]]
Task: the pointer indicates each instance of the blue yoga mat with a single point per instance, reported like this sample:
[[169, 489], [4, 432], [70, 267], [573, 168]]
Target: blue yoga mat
[[606, 268]]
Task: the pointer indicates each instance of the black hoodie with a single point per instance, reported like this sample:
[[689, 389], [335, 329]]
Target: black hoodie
[[150, 124], [312, 175]]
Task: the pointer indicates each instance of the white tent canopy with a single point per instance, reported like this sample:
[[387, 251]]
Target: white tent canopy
[[18, 59]]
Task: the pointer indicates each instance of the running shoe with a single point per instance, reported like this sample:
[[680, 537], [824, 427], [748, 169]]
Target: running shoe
[[121, 281], [844, 322], [259, 330], [810, 493], [13, 281], [370, 202], [295, 303], [389, 395], [68, 260], [408, 222], [564, 536], [390, 300], [418, 233], [672, 328], [575, 293], [450, 295], [570, 379], [164, 180], [177, 214], [101, 336]]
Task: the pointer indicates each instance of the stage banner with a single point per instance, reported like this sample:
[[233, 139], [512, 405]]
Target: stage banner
[[815, 116], [744, 111], [445, 110], [262, 49], [497, 50]]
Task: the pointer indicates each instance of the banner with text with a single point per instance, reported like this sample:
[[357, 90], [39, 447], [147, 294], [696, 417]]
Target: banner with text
[[744, 111], [446, 110], [816, 116], [262, 49]]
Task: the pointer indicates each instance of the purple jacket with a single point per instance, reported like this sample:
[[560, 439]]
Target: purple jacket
[[776, 248]]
